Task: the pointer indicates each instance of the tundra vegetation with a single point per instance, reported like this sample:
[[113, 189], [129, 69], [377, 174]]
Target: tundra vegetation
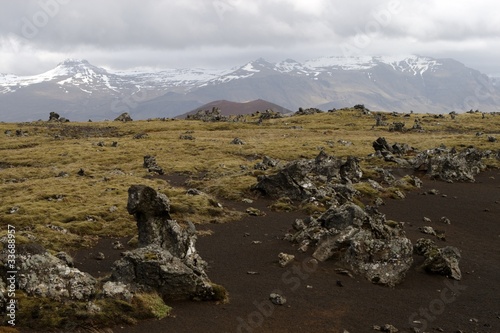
[[64, 185]]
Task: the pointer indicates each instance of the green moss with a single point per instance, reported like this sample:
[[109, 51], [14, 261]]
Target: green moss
[[391, 223], [280, 206], [151, 256], [221, 295], [45, 314], [366, 190], [153, 304]]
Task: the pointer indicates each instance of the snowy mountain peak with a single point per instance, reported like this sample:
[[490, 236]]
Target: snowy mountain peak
[[339, 62], [288, 66], [257, 66], [413, 64], [74, 66], [74, 62]]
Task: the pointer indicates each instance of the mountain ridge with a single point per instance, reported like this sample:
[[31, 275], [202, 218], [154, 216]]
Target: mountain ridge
[[80, 90]]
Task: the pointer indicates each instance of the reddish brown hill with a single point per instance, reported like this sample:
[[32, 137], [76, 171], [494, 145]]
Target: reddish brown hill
[[235, 108]]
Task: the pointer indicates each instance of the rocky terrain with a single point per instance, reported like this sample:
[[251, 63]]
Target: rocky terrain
[[341, 221]]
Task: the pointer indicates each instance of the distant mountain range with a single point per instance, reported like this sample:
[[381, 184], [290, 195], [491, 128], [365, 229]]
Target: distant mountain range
[[78, 90]]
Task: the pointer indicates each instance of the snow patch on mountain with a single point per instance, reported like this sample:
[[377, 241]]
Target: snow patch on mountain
[[344, 63], [408, 63], [81, 74], [412, 64]]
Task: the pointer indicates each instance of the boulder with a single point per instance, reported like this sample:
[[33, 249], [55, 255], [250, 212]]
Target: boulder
[[397, 127], [117, 290], [359, 240], [166, 259], [155, 226], [322, 177], [41, 274], [54, 116], [269, 114], [151, 165], [152, 268], [237, 141], [267, 162], [443, 261], [284, 259], [213, 115], [381, 145], [124, 117], [277, 299], [307, 112], [379, 120], [449, 165], [388, 152]]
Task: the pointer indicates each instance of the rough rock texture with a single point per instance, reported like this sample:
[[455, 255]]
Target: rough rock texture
[[449, 165], [166, 260], [268, 114], [267, 162], [116, 290], [324, 176], [237, 141], [362, 241], [439, 163], [208, 115], [153, 268], [284, 259], [277, 299], [124, 117], [397, 127], [390, 153], [54, 116], [443, 261], [44, 275], [307, 112], [151, 164]]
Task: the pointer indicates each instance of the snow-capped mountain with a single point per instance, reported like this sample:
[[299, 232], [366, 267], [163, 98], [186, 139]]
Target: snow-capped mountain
[[79, 90]]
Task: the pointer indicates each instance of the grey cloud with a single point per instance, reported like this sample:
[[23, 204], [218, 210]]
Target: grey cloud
[[133, 32]]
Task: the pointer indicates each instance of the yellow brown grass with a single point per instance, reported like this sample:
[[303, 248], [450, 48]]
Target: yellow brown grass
[[95, 204]]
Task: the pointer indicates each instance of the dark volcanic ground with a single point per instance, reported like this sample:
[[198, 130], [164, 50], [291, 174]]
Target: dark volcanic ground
[[317, 302]]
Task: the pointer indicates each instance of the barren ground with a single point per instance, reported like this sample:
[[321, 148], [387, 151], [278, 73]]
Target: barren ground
[[316, 302]]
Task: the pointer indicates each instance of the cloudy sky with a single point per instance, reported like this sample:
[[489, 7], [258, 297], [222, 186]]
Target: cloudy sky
[[35, 35]]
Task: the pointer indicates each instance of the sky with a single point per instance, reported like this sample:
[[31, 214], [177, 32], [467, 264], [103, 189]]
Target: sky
[[36, 35]]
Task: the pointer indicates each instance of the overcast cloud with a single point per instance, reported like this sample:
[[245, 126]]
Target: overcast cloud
[[35, 35]]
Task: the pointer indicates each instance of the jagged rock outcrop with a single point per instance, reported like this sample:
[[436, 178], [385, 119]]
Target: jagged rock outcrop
[[439, 163], [443, 261], [397, 127], [208, 115], [55, 117], [392, 153], [166, 260], [359, 240], [268, 114], [307, 112], [237, 141], [41, 274], [323, 176], [449, 165], [267, 162], [152, 166], [124, 117]]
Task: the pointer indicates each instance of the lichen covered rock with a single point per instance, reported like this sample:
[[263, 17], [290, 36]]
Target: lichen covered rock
[[362, 241], [166, 260]]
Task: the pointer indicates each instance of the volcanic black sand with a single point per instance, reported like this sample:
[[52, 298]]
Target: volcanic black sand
[[321, 300]]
